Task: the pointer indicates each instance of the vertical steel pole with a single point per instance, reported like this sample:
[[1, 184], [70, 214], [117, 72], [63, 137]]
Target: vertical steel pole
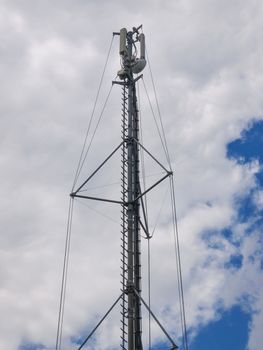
[[137, 239], [133, 215], [130, 283]]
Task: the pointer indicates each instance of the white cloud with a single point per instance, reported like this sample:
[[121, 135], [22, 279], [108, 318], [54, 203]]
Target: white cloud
[[207, 63], [258, 199]]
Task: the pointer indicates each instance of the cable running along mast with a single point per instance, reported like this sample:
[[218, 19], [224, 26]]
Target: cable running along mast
[[133, 202]]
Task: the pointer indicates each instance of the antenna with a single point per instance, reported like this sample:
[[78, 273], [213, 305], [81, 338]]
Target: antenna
[[142, 46], [123, 35], [132, 200]]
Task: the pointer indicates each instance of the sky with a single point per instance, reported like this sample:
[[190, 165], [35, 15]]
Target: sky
[[206, 60]]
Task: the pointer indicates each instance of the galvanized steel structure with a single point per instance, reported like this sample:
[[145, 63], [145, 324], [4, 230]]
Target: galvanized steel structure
[[134, 216]]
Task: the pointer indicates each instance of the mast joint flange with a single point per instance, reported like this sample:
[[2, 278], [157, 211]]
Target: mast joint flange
[[129, 288]]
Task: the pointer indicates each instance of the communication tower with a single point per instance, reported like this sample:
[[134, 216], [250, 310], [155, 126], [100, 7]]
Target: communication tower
[[132, 202]]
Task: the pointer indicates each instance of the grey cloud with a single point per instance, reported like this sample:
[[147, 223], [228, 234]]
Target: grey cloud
[[206, 59]]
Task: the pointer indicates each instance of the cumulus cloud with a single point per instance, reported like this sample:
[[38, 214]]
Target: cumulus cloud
[[206, 59]]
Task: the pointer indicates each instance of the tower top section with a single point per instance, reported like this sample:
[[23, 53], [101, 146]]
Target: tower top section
[[132, 60]]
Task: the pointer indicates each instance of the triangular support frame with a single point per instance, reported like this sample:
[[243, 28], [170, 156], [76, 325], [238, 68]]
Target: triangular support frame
[[174, 346], [76, 194]]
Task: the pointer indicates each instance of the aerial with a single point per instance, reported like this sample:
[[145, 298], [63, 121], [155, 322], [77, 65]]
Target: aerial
[[205, 58]]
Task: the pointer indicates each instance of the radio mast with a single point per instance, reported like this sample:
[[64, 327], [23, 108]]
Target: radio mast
[[133, 210]]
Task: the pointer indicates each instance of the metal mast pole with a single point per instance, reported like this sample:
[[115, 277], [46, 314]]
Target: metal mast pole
[[134, 327], [132, 197], [130, 210], [131, 266]]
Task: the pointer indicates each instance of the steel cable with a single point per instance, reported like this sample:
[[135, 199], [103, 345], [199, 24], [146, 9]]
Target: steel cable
[[178, 265], [146, 212], [91, 140], [142, 153], [159, 212], [79, 166], [149, 291], [98, 212], [174, 214], [155, 120], [159, 113], [64, 276]]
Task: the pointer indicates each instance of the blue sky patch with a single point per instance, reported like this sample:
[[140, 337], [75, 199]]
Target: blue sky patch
[[79, 339], [249, 147], [229, 332], [235, 261], [246, 207], [232, 329], [161, 346]]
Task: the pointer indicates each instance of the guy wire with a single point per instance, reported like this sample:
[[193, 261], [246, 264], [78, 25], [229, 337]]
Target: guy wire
[[64, 276], [159, 112], [91, 118], [178, 265]]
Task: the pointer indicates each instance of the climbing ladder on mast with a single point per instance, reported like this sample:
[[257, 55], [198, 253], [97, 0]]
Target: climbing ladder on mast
[[133, 198]]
